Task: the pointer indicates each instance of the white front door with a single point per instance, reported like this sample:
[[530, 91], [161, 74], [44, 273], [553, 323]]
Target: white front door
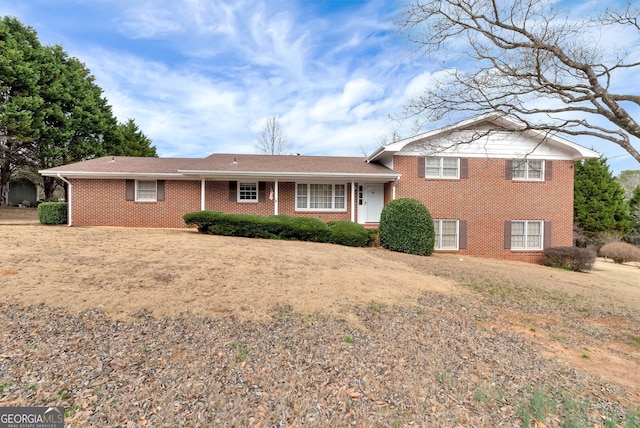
[[374, 201]]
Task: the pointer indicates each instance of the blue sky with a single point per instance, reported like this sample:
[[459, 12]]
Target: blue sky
[[201, 76]]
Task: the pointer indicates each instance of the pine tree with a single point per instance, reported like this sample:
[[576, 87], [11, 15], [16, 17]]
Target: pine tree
[[599, 204]]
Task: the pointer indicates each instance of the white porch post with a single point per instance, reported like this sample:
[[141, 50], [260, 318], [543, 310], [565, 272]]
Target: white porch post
[[353, 202], [393, 190], [275, 199], [202, 192]]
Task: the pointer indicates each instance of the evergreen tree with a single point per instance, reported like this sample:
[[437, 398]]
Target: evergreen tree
[[20, 101], [133, 142], [634, 209], [52, 112], [599, 204]]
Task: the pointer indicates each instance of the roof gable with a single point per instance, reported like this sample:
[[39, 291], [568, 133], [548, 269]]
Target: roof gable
[[489, 135]]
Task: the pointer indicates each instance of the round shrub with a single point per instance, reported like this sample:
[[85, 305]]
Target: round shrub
[[348, 233], [406, 226], [52, 212]]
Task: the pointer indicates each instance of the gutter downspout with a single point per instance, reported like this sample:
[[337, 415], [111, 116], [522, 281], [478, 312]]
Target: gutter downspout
[[70, 202], [275, 203]]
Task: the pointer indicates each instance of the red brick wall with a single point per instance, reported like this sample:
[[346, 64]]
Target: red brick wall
[[486, 200], [217, 199], [103, 203]]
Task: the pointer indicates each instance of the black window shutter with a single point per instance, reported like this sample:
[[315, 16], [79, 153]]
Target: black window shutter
[[160, 190], [547, 234], [464, 168], [233, 191], [131, 190], [548, 170], [462, 234], [421, 166], [262, 191], [508, 169], [507, 235]]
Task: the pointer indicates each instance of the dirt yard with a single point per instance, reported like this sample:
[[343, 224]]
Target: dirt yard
[[135, 327]]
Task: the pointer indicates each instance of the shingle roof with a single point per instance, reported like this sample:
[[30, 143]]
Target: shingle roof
[[225, 165]]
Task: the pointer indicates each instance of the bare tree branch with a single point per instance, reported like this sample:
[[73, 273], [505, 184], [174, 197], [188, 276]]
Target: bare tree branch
[[531, 61], [272, 139]]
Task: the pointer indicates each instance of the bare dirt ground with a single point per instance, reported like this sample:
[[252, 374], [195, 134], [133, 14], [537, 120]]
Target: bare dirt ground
[[135, 327]]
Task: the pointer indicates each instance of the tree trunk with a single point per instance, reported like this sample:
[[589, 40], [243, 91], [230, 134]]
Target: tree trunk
[[49, 184]]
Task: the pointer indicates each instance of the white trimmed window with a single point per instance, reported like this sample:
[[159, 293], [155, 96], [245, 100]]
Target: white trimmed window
[[247, 192], [528, 169], [527, 234], [442, 167], [446, 234], [321, 197], [146, 191]]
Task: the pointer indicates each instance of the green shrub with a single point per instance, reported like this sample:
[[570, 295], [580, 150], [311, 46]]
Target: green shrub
[[620, 252], [52, 212], [245, 225], [406, 226], [202, 219], [311, 229], [281, 225], [348, 233], [574, 258]]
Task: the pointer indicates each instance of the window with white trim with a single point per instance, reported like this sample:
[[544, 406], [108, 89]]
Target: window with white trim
[[247, 192], [446, 234], [146, 191], [528, 169], [526, 234], [321, 197], [441, 167]]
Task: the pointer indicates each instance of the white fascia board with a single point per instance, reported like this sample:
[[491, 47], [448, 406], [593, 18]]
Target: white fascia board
[[111, 175]]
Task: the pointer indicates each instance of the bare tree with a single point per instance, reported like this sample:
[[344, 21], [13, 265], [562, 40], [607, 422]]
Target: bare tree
[[532, 61], [272, 139]]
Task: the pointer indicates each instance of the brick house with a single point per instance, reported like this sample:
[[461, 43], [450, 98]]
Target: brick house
[[491, 191]]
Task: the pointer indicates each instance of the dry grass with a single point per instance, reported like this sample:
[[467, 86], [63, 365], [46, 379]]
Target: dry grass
[[133, 327]]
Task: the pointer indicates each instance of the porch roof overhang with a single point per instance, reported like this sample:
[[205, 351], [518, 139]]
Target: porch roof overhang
[[288, 176]]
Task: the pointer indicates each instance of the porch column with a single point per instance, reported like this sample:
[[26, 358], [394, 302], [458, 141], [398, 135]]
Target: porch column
[[275, 198], [202, 192], [353, 202]]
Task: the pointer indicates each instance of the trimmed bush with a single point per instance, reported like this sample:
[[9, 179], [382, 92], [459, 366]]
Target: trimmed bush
[[574, 258], [406, 226], [311, 229], [348, 233], [52, 212], [620, 252], [255, 226], [202, 219]]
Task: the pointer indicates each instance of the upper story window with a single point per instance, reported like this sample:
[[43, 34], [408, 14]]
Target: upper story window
[[442, 167], [146, 191], [247, 192], [528, 169], [321, 197]]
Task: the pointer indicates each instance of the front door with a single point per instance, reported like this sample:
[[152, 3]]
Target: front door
[[374, 201]]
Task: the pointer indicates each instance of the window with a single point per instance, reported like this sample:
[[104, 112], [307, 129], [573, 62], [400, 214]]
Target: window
[[528, 169], [526, 235], [146, 191], [321, 197], [247, 192], [441, 167], [446, 234]]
